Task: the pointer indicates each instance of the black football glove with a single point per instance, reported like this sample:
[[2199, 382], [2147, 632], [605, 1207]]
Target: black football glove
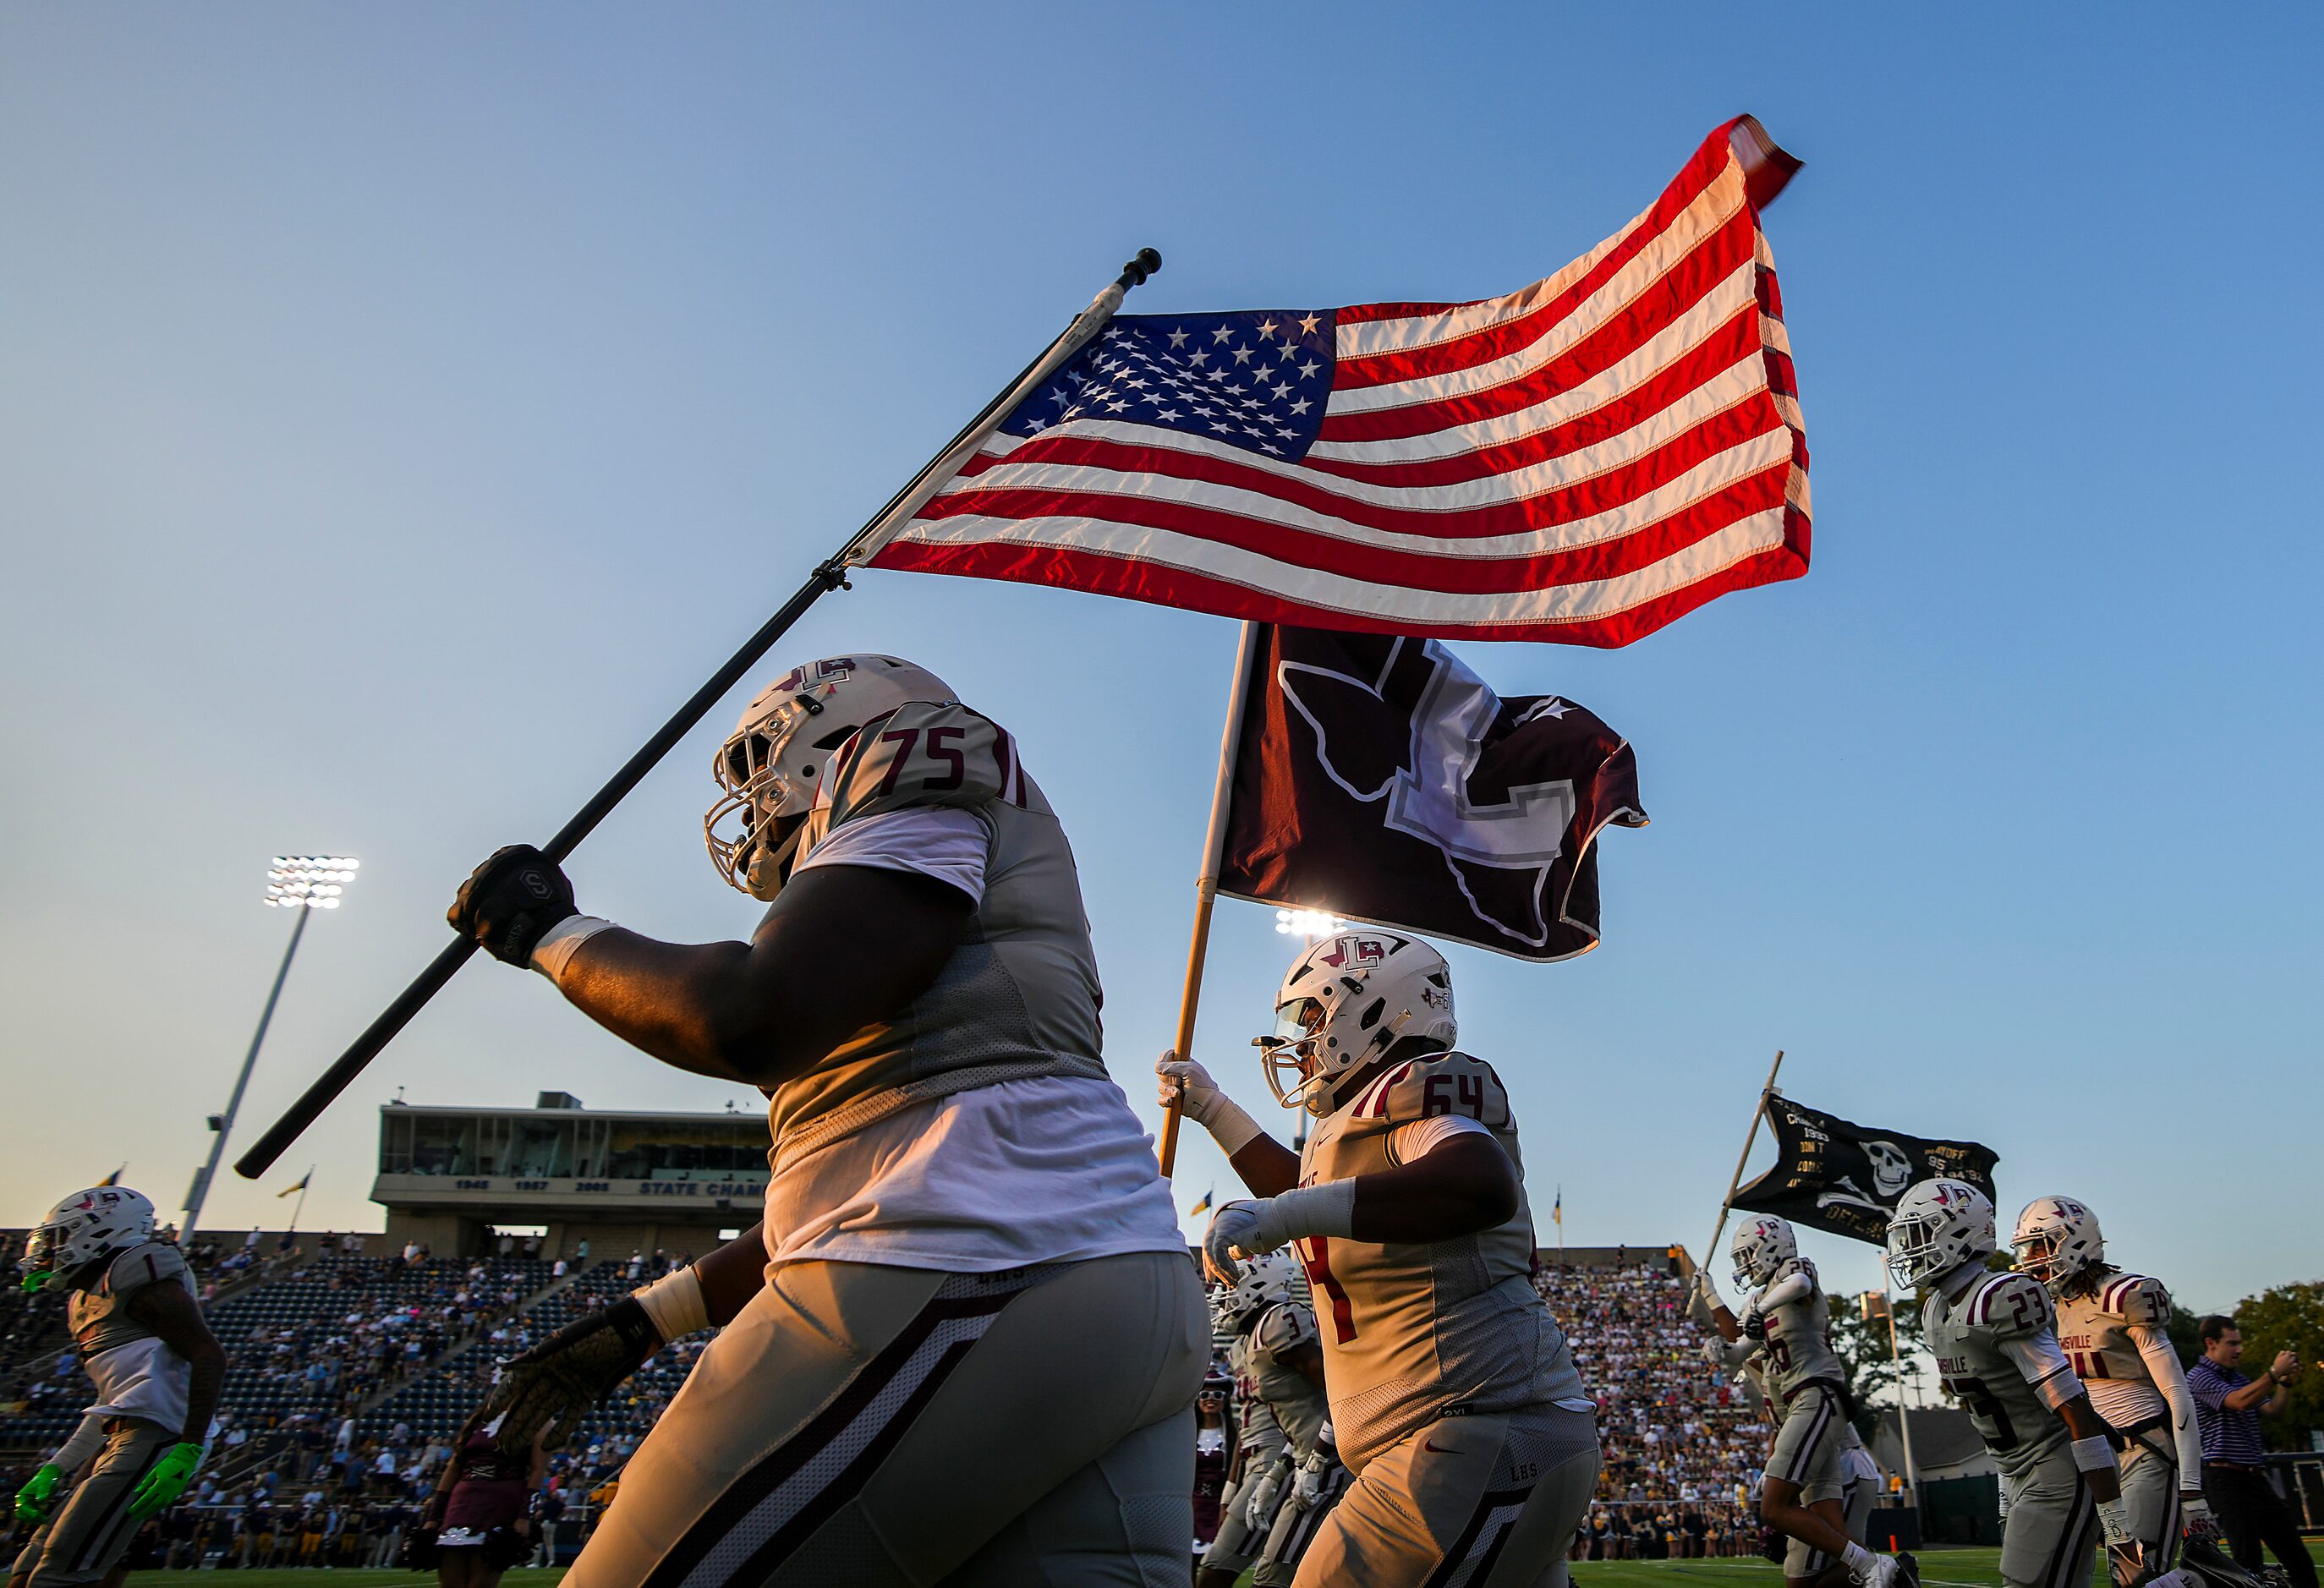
[[554, 1385], [510, 901], [1752, 1325]]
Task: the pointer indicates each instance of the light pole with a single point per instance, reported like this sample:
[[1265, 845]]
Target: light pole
[[302, 884], [1877, 1305]]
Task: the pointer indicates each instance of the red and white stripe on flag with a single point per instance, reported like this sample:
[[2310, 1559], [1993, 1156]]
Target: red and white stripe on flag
[[1581, 462]]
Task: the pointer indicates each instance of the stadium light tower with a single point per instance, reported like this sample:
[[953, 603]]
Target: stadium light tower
[[302, 884], [1310, 924]]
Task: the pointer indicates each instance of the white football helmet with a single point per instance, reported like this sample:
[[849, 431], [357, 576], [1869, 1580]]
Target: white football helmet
[[1265, 1281], [2058, 1241], [1937, 1226], [1760, 1247], [85, 1228], [773, 762], [1346, 1002]]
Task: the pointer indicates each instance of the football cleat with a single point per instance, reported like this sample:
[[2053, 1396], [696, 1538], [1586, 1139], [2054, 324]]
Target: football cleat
[[2210, 1566], [1899, 1570]]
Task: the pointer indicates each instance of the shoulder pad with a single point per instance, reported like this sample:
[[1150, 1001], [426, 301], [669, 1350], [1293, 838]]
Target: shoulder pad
[[141, 1265], [1285, 1326], [1439, 1083], [2136, 1299], [2009, 1303], [1795, 1265], [922, 755]]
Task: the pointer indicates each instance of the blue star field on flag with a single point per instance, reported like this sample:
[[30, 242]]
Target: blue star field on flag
[[1256, 379]]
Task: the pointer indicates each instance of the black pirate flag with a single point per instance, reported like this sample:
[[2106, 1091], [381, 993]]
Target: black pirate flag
[[1834, 1176], [1379, 779]]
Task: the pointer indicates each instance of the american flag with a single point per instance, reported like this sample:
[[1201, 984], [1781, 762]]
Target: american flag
[[1581, 462]]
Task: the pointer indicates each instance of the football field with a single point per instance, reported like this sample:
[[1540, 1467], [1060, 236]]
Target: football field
[[1939, 1568]]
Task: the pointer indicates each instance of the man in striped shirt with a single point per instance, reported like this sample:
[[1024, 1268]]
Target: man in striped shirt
[[2229, 1405]]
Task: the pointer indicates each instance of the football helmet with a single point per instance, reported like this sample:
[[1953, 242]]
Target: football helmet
[[1345, 1002], [772, 764], [1265, 1281], [1937, 1226], [85, 1228], [1761, 1247], [2057, 1242]]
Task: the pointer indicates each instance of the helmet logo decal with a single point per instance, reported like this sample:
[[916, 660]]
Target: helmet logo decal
[[1347, 953], [830, 669]]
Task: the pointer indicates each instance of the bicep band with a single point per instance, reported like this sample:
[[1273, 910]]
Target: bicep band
[[2094, 1454], [675, 1304], [558, 943]]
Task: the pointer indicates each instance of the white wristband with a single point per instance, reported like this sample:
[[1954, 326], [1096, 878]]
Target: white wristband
[[1230, 1126], [2094, 1454], [557, 945], [2114, 1522], [675, 1304], [1316, 1210]]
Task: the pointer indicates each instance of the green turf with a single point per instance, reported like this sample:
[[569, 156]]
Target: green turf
[[1939, 1568]]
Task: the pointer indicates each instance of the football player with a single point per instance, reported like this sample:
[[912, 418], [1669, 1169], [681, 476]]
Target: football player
[[1286, 1364], [1994, 1336], [129, 1306], [2114, 1327], [1258, 1441], [1857, 1489], [1272, 1348], [1456, 1406], [1787, 1325], [964, 1218]]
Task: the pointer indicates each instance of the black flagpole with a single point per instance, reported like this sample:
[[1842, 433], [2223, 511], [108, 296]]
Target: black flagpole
[[831, 574]]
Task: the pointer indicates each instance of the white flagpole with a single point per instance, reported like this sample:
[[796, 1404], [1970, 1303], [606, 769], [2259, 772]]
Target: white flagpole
[[1710, 1252], [1206, 879]]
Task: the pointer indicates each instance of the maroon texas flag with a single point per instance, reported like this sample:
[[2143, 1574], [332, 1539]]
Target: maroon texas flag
[[1379, 779]]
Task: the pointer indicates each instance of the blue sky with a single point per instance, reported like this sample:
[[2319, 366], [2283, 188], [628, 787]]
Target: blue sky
[[402, 407]]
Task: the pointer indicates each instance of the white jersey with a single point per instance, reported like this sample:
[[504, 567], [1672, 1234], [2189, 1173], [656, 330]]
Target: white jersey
[[135, 1375], [1054, 1168]]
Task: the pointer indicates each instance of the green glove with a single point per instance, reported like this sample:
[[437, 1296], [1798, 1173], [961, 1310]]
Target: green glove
[[158, 1489], [32, 1498]]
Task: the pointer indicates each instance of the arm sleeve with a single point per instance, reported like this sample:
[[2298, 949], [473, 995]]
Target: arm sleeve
[[2163, 1366], [1409, 1143], [1793, 1287], [942, 842], [2042, 1361]]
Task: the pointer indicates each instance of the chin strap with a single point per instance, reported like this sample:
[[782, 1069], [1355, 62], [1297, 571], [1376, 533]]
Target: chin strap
[[775, 864]]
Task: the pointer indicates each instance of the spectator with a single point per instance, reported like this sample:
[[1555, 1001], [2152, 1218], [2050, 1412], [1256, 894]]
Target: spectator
[[2229, 1405]]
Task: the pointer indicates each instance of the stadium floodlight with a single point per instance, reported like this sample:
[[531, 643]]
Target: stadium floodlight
[[303, 884], [1310, 924], [315, 882]]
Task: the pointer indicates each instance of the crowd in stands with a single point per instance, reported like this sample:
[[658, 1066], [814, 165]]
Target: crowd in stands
[[1670, 1426], [354, 1370], [351, 1376]]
